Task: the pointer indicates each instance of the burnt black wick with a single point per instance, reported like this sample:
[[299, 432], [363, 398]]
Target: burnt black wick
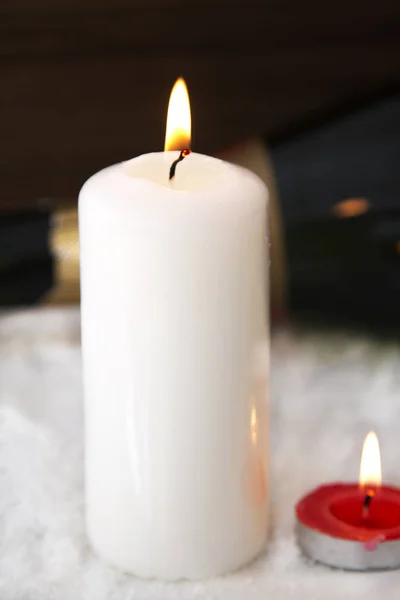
[[182, 155], [367, 502]]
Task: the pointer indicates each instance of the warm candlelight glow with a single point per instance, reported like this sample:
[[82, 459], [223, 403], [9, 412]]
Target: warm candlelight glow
[[370, 470], [253, 426], [179, 124], [351, 207]]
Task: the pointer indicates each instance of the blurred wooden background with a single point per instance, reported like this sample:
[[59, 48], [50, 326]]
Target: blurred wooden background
[[86, 83]]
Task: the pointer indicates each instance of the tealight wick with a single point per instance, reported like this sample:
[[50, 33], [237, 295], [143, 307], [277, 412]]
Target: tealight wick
[[367, 503], [182, 155]]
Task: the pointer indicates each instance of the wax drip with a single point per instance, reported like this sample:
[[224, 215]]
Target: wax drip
[[372, 544], [182, 155]]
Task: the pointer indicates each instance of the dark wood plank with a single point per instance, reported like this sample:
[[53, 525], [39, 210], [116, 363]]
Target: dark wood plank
[[86, 84]]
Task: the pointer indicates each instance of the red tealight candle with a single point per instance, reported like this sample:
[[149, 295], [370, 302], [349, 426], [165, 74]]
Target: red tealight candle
[[353, 526]]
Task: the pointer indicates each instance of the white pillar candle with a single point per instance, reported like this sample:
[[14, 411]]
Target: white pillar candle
[[175, 355]]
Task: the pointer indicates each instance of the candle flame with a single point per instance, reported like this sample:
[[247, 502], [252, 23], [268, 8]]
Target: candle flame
[[370, 469], [178, 133]]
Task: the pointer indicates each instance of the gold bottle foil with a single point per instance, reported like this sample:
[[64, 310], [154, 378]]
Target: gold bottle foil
[[64, 243]]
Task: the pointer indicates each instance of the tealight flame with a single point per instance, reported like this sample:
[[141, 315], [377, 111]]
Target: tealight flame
[[370, 470], [178, 133]]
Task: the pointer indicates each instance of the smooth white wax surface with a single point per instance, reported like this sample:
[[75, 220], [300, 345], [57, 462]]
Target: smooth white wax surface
[[175, 354]]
